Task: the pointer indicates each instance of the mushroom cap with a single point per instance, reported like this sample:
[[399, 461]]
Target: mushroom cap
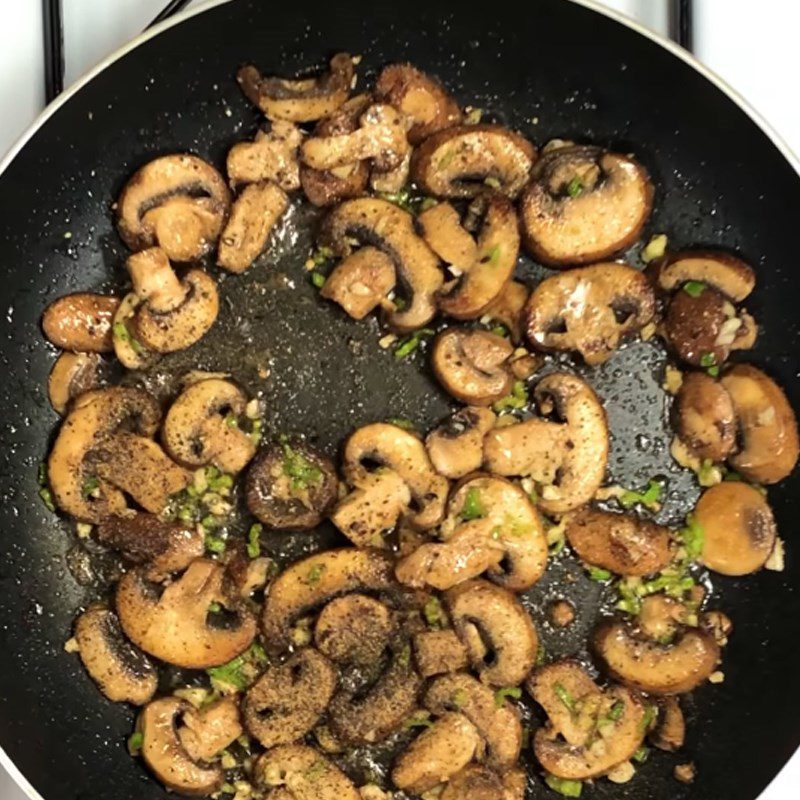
[[72, 375], [391, 446], [457, 161], [472, 365], [196, 433], [420, 97], [283, 500], [354, 629], [729, 275], [670, 729], [704, 417], [497, 630], [455, 448], [177, 626], [438, 652], [590, 310], [390, 229], [738, 528], [440, 226], [508, 308], [207, 731], [621, 543], [766, 424], [288, 700], [603, 216], [122, 672], [178, 202], [81, 322], [360, 282], [271, 156]]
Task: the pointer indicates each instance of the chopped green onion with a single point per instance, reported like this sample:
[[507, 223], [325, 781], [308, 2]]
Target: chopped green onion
[[220, 482], [214, 544], [434, 613], [693, 537], [473, 508], [214, 608], [460, 698], [575, 187], [541, 655], [598, 574], [563, 786], [254, 541], [315, 771], [119, 331], [318, 279], [491, 256], [42, 474], [403, 657], [564, 696], [410, 343], [47, 498], [708, 360], [428, 202], [556, 546], [507, 691], [315, 574], [517, 399], [650, 711], [402, 422], [231, 421], [89, 487], [694, 288], [422, 719], [615, 712], [641, 755], [321, 255], [135, 742], [713, 371], [500, 330], [731, 475], [300, 469], [649, 497], [240, 672]]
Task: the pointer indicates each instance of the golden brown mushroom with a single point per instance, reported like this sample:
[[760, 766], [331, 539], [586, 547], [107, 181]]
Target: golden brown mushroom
[[705, 420], [670, 728], [455, 448], [81, 322], [207, 731], [360, 282], [439, 652], [301, 773], [508, 308], [354, 629], [72, 375], [271, 156], [729, 275]]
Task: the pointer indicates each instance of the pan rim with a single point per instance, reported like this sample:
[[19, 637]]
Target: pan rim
[[593, 5]]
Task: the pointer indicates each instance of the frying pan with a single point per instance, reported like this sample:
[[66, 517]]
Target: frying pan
[[561, 70]]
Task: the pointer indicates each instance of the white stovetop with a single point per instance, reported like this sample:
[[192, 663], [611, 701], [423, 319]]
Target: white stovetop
[[752, 45]]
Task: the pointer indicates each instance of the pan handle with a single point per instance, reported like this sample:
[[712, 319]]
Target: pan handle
[[680, 23]]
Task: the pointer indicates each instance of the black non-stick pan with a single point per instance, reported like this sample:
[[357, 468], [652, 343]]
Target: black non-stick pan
[[556, 68]]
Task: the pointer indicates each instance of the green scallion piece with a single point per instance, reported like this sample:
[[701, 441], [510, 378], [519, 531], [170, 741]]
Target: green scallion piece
[[694, 288]]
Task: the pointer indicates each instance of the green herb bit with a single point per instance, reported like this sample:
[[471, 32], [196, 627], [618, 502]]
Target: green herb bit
[[315, 574], [422, 719], [214, 544], [694, 288], [564, 787], [517, 399], [557, 545], [403, 656], [318, 279], [254, 540], [135, 742], [214, 608], [713, 371], [650, 712], [240, 672], [492, 182], [401, 199], [410, 343], [541, 656], [708, 360], [302, 471], [562, 693], [599, 575], [473, 508], [231, 421], [321, 255], [732, 475], [615, 712], [574, 187], [119, 331], [491, 256], [693, 537], [402, 422], [434, 613], [641, 755], [47, 498], [649, 497], [630, 605], [186, 513], [42, 474], [447, 158], [428, 202], [507, 691], [89, 487], [499, 330], [223, 481]]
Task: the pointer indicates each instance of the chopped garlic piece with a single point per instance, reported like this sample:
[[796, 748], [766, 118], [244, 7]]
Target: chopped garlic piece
[[673, 378], [777, 558], [72, 646], [655, 248], [622, 773]]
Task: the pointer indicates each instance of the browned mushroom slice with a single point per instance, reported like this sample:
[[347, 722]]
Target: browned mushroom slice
[[420, 97], [460, 161], [649, 666], [254, 214], [590, 310], [508, 308], [81, 323], [291, 486], [439, 652], [383, 225], [165, 754], [298, 772], [178, 202], [299, 100], [72, 375], [729, 275], [354, 629], [178, 625], [437, 754], [123, 673], [497, 631], [704, 417], [766, 423], [472, 365], [130, 352], [288, 699], [441, 228], [455, 448], [310, 583], [207, 731], [584, 204], [154, 281], [165, 547], [738, 528], [360, 282], [271, 156], [620, 543], [476, 782], [670, 728]]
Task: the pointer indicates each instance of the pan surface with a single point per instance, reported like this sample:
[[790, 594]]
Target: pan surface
[[564, 71]]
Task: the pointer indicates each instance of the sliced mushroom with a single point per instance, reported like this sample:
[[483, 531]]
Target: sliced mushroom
[[360, 282], [440, 226], [497, 631], [476, 782], [459, 161], [738, 528], [620, 543], [177, 625], [439, 652], [420, 97], [729, 275], [254, 214], [291, 486], [670, 730], [354, 629], [145, 539], [185, 324], [166, 756], [130, 352], [288, 700], [154, 280], [122, 673], [305, 774], [299, 100], [81, 323], [481, 279], [584, 204], [271, 156], [704, 417], [309, 584], [455, 448], [327, 187], [494, 527], [393, 180], [567, 455], [437, 754], [641, 663], [197, 429], [99, 414], [472, 365], [496, 721], [591, 310], [508, 308], [178, 202], [71, 376], [388, 445], [766, 423], [206, 732], [383, 225]]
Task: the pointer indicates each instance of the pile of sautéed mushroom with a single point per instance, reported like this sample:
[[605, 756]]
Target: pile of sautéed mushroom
[[409, 638]]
